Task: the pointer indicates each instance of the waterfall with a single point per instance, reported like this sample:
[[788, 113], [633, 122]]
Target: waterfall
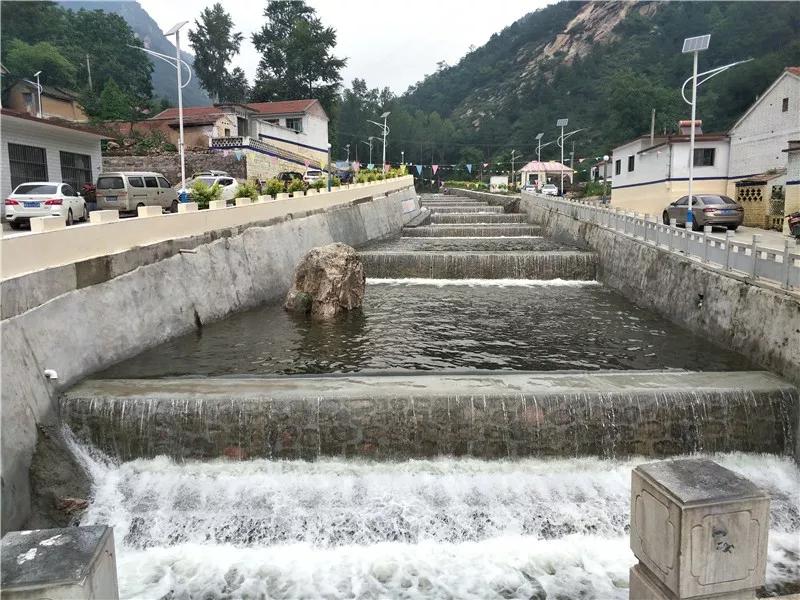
[[495, 230]]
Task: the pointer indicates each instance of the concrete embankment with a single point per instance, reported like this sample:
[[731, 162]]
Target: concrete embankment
[[148, 296], [760, 321], [488, 415]]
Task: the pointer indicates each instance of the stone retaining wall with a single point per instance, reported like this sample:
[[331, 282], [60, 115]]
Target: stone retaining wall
[[169, 164]]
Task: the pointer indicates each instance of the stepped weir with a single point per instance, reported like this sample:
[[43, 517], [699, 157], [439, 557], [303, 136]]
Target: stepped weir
[[469, 433]]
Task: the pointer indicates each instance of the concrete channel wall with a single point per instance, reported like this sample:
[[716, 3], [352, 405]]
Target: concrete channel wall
[[757, 319], [117, 305]]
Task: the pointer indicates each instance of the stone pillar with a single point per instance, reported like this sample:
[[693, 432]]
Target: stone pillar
[[74, 562], [698, 530]]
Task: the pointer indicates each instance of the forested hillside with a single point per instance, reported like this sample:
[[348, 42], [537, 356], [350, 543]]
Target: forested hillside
[[603, 65]]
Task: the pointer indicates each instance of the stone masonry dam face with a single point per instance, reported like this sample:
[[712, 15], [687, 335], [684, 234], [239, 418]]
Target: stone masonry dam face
[[469, 433]]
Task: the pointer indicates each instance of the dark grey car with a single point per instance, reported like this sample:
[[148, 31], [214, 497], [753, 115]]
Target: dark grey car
[[707, 209]]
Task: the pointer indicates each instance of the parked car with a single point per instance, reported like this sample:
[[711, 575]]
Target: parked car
[[210, 174], [44, 199], [550, 189], [228, 184], [288, 176], [707, 209], [313, 175], [125, 191]]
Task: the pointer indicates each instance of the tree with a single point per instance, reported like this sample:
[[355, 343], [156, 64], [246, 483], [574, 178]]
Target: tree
[[215, 44], [236, 87], [25, 59], [296, 59], [114, 104]]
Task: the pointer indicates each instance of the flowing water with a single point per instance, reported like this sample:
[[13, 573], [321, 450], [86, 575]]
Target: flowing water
[[446, 528]]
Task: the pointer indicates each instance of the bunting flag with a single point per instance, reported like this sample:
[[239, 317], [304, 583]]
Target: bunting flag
[[386, 167], [419, 169], [226, 153], [238, 154], [469, 168], [305, 162], [485, 165], [356, 166], [435, 168], [371, 166]]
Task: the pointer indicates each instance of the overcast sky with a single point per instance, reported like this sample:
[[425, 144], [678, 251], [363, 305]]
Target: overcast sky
[[387, 43]]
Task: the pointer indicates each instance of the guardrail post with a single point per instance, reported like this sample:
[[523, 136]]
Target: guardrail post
[[728, 238], [706, 231], [754, 256], [646, 225], [787, 264]]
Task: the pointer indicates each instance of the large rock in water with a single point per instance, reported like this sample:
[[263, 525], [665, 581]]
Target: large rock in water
[[328, 281]]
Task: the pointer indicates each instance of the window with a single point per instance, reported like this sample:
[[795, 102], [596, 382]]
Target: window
[[227, 132], [76, 169], [110, 183], [631, 160], [683, 201], [274, 121], [618, 166], [26, 163], [36, 189], [27, 97], [162, 182], [67, 190], [704, 157], [150, 182], [135, 182], [296, 124], [226, 181], [785, 105]]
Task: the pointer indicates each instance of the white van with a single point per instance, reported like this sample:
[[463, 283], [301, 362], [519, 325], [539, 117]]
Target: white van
[[125, 191]]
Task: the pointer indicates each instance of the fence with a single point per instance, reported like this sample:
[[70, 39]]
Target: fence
[[756, 262]]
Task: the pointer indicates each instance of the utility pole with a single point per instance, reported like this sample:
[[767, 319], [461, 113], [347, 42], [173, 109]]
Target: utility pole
[[562, 123], [347, 147], [513, 173], [572, 162], [89, 71]]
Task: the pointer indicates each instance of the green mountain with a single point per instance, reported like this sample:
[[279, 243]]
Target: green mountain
[[147, 30], [603, 65]]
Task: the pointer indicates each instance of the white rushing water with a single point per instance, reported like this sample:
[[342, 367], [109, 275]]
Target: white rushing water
[[530, 283], [446, 528]]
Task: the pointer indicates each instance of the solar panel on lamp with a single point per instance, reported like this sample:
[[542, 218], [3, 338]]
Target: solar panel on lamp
[[562, 122], [696, 44]]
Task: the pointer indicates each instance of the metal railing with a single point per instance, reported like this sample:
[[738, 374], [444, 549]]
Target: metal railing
[[781, 266]]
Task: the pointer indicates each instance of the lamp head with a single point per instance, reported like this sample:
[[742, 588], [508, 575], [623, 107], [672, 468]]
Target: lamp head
[[696, 44], [37, 73], [539, 135], [174, 29], [386, 114], [562, 122], [606, 157]]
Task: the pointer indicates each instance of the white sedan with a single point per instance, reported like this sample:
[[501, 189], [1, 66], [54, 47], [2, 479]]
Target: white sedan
[[229, 186], [44, 199], [549, 189]]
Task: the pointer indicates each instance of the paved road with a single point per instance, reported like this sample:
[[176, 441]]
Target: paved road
[[771, 239]]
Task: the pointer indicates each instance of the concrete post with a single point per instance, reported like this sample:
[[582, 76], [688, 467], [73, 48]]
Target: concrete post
[[149, 211], [74, 562], [103, 216], [786, 265], [243, 201], [754, 256], [698, 530], [185, 207], [728, 239], [217, 204], [42, 224]]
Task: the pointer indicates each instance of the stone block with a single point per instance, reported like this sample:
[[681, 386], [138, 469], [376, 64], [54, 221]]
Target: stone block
[[150, 211], [282, 196], [699, 529], [60, 564], [217, 204], [185, 207], [243, 201], [42, 224], [312, 191], [103, 216]]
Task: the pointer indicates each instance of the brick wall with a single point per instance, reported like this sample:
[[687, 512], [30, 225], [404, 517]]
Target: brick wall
[[170, 165]]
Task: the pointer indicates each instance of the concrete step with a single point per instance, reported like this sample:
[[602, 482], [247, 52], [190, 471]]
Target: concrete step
[[461, 209], [490, 415], [496, 230], [453, 244], [468, 218], [569, 264]]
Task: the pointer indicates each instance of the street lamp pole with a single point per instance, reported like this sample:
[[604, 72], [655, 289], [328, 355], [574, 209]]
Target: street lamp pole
[[562, 123], [38, 93], [181, 147], [539, 147], [605, 169], [347, 147], [385, 129], [513, 173], [695, 45], [402, 157], [329, 167]]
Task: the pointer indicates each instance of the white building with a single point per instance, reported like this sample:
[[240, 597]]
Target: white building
[[37, 149], [648, 173]]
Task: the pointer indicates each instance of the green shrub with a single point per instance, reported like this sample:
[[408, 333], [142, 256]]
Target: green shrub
[[296, 185], [273, 187], [337, 181], [203, 194], [371, 177], [361, 178], [596, 188], [247, 190], [318, 184]]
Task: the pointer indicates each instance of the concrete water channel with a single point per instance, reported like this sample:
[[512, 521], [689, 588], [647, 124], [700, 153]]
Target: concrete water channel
[[468, 434]]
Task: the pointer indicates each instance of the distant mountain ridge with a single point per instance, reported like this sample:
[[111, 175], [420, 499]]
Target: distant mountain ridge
[[147, 30], [605, 65]]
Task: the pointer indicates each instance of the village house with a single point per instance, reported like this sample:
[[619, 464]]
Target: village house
[[20, 95], [37, 149], [749, 163], [538, 173]]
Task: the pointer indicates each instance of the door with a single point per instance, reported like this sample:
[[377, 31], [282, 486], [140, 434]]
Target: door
[[136, 191], [153, 193], [168, 195], [229, 187], [73, 202], [677, 210]]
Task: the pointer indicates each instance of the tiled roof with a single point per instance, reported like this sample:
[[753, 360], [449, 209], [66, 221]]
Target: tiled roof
[[794, 70], [55, 123], [546, 166], [264, 108]]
